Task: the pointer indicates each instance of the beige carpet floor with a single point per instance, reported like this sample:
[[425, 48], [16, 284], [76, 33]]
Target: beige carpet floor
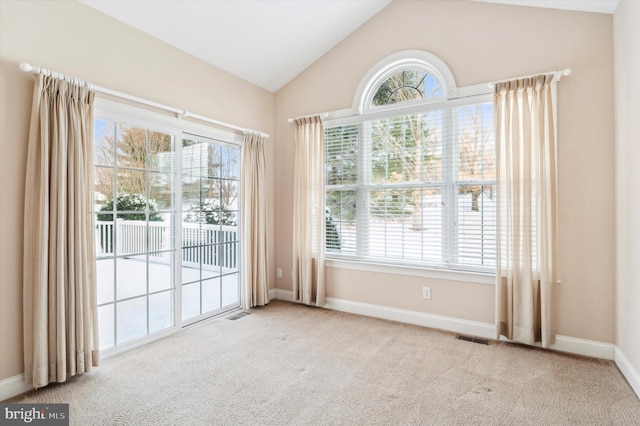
[[292, 365]]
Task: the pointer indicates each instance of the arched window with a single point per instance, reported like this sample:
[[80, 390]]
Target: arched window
[[406, 85], [410, 76], [410, 179]]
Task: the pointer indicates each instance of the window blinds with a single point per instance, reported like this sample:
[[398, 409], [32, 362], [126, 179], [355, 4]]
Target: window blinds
[[414, 188]]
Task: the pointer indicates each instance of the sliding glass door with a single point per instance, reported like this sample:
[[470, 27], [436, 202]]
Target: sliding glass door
[[133, 187], [210, 237], [166, 228]]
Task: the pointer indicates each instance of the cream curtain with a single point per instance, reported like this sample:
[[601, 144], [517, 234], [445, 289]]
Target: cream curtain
[[526, 209], [60, 311], [255, 291], [308, 212]]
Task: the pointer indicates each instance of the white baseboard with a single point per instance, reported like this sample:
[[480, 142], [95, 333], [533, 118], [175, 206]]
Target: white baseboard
[[628, 370], [277, 293], [456, 325], [583, 347], [13, 386]]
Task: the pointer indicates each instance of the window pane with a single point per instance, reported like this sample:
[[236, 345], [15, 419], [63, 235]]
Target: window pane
[[192, 236], [431, 87], [104, 147], [406, 85], [428, 221], [476, 147], [340, 221], [210, 260], [341, 148], [131, 233], [194, 158], [132, 319], [133, 185], [160, 311], [131, 276], [161, 190], [131, 147], [106, 326], [476, 225], [228, 256], [161, 152], [210, 194], [103, 186], [159, 234], [405, 224], [407, 148], [230, 224], [228, 190], [191, 203], [190, 300], [104, 280], [105, 235], [160, 271], [211, 295], [213, 161], [190, 264], [230, 167], [230, 289]]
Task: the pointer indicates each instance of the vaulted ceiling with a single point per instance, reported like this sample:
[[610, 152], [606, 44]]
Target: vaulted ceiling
[[269, 42]]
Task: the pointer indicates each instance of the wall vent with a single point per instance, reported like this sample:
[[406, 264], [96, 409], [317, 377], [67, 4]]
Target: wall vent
[[473, 339]]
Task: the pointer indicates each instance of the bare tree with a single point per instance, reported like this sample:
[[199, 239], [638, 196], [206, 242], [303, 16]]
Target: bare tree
[[133, 150], [475, 157], [408, 146]]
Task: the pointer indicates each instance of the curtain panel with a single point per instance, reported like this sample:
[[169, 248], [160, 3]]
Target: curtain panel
[[60, 304], [526, 247], [255, 290], [309, 212]]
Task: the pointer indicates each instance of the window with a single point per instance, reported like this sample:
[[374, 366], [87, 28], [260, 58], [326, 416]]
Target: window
[[134, 233], [416, 187], [209, 226], [167, 214]]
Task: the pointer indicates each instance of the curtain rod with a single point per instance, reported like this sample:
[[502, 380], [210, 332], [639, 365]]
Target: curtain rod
[[558, 75], [322, 115], [180, 113]]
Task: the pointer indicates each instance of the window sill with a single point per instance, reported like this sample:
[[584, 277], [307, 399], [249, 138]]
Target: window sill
[[469, 277]]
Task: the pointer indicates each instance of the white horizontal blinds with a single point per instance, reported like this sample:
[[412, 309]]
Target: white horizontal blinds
[[475, 186], [416, 188], [405, 187], [342, 186]]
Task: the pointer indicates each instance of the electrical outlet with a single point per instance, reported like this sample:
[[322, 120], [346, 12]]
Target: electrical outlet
[[426, 292], [279, 272]]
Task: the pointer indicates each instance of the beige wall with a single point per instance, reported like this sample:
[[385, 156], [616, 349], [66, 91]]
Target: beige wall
[[627, 157], [483, 42], [73, 38]]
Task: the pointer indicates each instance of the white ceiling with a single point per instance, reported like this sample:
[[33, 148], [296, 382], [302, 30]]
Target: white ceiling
[[269, 42], [598, 6], [265, 42]]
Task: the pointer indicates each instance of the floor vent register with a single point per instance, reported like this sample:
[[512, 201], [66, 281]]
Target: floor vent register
[[238, 316], [473, 339]]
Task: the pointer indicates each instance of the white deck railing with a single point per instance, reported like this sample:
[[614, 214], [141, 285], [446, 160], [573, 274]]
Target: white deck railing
[[211, 245]]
